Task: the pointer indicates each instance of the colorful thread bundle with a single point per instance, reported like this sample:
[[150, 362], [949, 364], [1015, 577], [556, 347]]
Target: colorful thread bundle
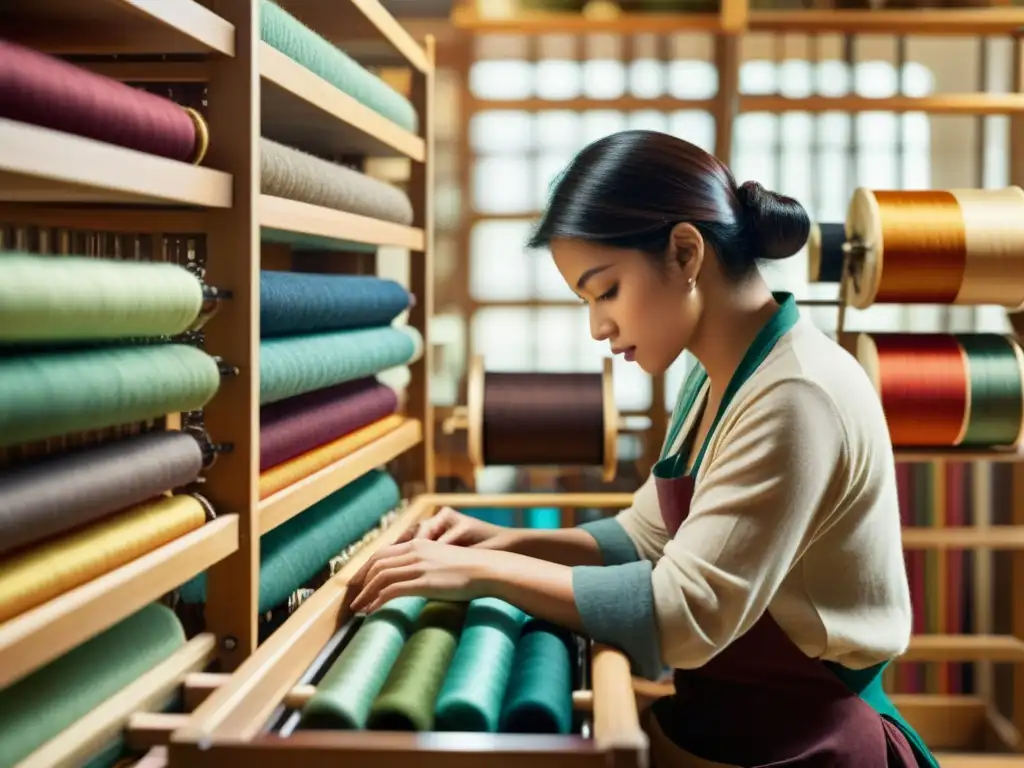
[[297, 550], [43, 498], [291, 427], [50, 93], [67, 298], [296, 175], [284, 32], [51, 394], [961, 246], [29, 578], [38, 707], [422, 666], [946, 390]]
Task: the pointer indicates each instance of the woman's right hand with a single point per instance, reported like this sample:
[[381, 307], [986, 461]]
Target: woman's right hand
[[451, 527]]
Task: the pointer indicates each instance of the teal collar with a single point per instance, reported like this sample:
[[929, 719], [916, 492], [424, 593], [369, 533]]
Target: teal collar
[[780, 323]]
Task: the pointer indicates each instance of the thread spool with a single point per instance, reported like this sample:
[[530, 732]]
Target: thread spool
[[42, 90], [536, 419], [825, 253], [959, 246], [946, 390]]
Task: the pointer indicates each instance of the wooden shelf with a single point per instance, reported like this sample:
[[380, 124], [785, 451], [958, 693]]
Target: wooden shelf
[[37, 164], [285, 215], [926, 21], [355, 25], [553, 22], [964, 537], [958, 648], [37, 636], [1000, 455], [116, 26], [304, 111], [285, 504], [938, 104]]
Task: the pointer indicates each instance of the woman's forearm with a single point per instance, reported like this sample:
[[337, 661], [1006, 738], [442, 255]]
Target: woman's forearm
[[565, 546]]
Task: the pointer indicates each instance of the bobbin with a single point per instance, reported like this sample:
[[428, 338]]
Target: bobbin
[[990, 274], [470, 417]]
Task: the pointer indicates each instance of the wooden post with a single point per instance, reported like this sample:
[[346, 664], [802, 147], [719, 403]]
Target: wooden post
[[420, 461], [233, 263]]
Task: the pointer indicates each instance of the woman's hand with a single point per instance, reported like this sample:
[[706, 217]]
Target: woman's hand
[[424, 568], [451, 527], [437, 571]]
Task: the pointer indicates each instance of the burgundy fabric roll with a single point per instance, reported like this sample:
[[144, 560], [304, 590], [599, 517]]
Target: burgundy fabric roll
[[291, 427]]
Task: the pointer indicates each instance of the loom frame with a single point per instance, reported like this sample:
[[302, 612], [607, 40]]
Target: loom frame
[[230, 724]]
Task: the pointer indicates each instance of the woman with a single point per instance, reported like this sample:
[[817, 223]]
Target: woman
[[762, 560]]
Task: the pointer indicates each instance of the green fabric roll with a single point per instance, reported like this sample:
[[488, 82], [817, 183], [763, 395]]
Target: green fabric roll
[[344, 695], [478, 676], [298, 549], [280, 30], [406, 703], [539, 696], [57, 393], [294, 365], [63, 298], [41, 705]]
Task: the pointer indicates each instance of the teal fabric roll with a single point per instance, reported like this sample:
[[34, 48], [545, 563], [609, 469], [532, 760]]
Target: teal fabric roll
[[41, 705], [294, 552], [539, 695], [280, 30], [294, 365], [475, 685]]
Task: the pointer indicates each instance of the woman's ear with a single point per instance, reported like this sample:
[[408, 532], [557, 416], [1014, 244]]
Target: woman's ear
[[686, 251]]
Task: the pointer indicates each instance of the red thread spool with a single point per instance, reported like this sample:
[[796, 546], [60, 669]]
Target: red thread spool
[[41, 90], [922, 381]]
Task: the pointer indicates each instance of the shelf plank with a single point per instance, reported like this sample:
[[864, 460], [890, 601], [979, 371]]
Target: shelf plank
[[925, 21], [117, 26], [285, 215], [355, 24], [938, 104], [958, 648], [38, 636], [1002, 537], [466, 17], [924, 454], [304, 111], [290, 501], [38, 164]]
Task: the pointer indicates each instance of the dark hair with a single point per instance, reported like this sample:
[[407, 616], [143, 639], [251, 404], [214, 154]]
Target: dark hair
[[631, 188]]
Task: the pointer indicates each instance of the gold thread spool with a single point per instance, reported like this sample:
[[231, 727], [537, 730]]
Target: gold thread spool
[[988, 223], [30, 577], [471, 418]]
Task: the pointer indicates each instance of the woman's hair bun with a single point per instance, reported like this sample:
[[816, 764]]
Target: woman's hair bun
[[779, 224]]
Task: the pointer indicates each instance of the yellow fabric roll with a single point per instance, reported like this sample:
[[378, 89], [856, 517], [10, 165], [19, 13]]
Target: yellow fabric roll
[[33, 576], [290, 472]]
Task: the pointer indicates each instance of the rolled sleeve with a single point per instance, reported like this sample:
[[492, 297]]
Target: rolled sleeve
[[616, 606], [615, 544]]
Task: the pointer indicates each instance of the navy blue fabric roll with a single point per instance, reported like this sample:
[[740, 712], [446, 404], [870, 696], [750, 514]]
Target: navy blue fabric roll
[[297, 302]]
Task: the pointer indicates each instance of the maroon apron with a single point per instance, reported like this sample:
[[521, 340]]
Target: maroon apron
[[762, 701]]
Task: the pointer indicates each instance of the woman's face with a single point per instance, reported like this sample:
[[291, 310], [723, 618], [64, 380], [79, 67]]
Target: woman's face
[[644, 311]]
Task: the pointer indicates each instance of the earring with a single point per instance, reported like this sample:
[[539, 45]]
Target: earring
[[689, 284]]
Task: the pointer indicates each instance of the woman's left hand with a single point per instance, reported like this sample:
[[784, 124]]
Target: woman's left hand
[[424, 568]]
